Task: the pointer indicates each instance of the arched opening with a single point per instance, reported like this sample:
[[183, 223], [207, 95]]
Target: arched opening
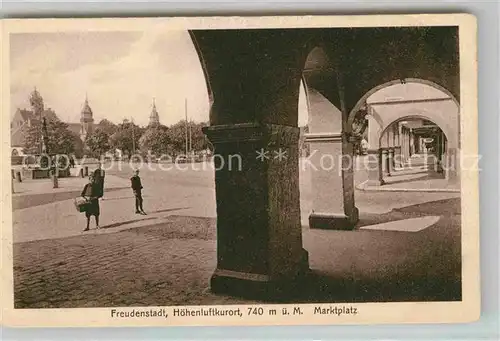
[[327, 185], [361, 102], [415, 101], [414, 149], [15, 152]]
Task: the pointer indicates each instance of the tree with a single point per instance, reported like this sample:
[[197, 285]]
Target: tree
[[107, 126], [126, 137], [177, 136], [156, 140], [98, 143], [198, 139], [78, 145], [60, 140]]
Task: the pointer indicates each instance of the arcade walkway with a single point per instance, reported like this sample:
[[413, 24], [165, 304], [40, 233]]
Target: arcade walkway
[[419, 175]]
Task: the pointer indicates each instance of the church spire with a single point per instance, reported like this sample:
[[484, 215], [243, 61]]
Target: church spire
[[154, 118], [36, 102], [86, 119]]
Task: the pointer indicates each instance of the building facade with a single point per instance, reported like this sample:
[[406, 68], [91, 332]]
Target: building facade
[[25, 118]]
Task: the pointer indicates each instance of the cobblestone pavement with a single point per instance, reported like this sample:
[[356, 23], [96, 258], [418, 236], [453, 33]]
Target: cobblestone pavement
[[170, 263], [98, 271]]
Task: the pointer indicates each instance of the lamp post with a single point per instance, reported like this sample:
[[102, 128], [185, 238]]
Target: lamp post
[[185, 112], [133, 136], [54, 169]]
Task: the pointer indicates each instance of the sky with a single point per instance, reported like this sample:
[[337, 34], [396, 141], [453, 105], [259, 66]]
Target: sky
[[119, 72]]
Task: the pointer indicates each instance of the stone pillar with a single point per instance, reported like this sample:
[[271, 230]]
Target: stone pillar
[[390, 137], [452, 166], [390, 156], [398, 157], [374, 167], [259, 237], [399, 149], [384, 155], [394, 134], [55, 181], [332, 162], [439, 153], [408, 145], [402, 144], [374, 130], [332, 207], [412, 143], [254, 79]]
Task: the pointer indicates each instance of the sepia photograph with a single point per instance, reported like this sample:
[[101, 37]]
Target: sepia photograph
[[211, 171]]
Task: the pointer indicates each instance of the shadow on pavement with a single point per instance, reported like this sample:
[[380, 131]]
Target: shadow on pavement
[[429, 176], [406, 286], [142, 219], [171, 209], [127, 222], [451, 206], [26, 201], [438, 208]]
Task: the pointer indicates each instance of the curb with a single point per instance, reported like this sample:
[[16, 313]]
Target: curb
[[363, 187]]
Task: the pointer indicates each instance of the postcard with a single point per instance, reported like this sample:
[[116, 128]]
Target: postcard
[[210, 171]]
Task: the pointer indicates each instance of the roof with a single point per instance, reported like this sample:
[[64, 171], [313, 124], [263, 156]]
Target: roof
[[25, 114], [74, 128], [17, 138], [86, 110]]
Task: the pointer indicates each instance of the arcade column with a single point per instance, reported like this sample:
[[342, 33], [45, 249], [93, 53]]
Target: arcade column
[[374, 167], [452, 166], [254, 78], [333, 189], [390, 150]]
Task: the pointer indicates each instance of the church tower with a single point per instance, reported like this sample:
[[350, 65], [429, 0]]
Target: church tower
[[154, 118], [86, 120], [36, 102]]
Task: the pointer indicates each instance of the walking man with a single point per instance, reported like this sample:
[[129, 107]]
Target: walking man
[[137, 188]]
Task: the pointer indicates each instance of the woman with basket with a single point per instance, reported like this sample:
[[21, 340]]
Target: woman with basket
[[91, 193]]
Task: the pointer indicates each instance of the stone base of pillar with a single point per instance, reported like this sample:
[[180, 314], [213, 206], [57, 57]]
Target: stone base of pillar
[[331, 221], [260, 286]]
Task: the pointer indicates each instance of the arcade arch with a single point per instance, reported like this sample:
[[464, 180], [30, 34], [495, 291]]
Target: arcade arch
[[395, 102], [254, 79]]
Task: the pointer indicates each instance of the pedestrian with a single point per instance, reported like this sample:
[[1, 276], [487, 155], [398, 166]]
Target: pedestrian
[[99, 175], [91, 194], [71, 162], [137, 188]]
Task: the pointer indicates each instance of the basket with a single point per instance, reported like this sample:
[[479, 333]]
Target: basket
[[81, 204]]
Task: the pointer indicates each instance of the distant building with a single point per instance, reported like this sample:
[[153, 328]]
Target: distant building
[[86, 121], [26, 118], [154, 118]]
